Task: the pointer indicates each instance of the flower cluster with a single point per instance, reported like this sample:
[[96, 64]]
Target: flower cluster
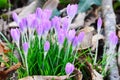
[[40, 34]]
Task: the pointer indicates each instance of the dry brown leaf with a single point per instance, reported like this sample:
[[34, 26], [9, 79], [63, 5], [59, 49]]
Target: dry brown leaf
[[27, 78], [94, 74], [78, 74], [87, 41], [51, 4], [45, 78], [95, 38], [4, 74]]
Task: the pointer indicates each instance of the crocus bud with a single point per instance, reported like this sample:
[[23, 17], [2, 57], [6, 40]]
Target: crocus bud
[[38, 13], [71, 35], [65, 23], [113, 38], [81, 36], [99, 24], [46, 24], [72, 10], [46, 14], [46, 46], [15, 17], [25, 47], [39, 30], [23, 24], [75, 41], [56, 23], [15, 34], [61, 36], [69, 68]]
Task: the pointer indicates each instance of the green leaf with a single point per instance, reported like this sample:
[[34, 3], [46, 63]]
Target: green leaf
[[86, 4], [4, 4]]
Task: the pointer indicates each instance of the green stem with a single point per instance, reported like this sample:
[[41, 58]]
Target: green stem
[[26, 65], [96, 53]]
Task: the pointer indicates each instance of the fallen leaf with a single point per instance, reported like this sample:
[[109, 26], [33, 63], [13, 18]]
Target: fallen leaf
[[95, 38], [51, 4]]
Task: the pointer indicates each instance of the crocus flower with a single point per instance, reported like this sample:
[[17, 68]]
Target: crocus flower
[[56, 23], [46, 46], [71, 35], [113, 38], [15, 34], [23, 24], [15, 17], [39, 30], [69, 68], [72, 10], [61, 36], [25, 47], [75, 41], [46, 14], [30, 18], [99, 24], [65, 23], [81, 36], [38, 13], [46, 24]]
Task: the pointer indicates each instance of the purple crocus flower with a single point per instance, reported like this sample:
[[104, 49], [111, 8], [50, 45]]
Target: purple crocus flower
[[15, 34], [46, 14], [46, 24], [99, 24], [46, 46], [61, 36], [30, 19], [23, 24], [69, 68], [34, 24], [81, 36], [71, 35], [39, 30], [65, 23], [72, 10], [25, 47], [15, 17], [56, 23], [75, 41], [38, 13], [113, 38]]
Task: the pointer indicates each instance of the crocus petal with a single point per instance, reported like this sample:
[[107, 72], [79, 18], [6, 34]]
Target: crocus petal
[[39, 30], [15, 17], [23, 24], [69, 68], [46, 14], [39, 13], [71, 35], [65, 23], [75, 41], [46, 46], [25, 47], [99, 24], [113, 38], [61, 36], [81, 36], [72, 10], [56, 23], [15, 34]]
